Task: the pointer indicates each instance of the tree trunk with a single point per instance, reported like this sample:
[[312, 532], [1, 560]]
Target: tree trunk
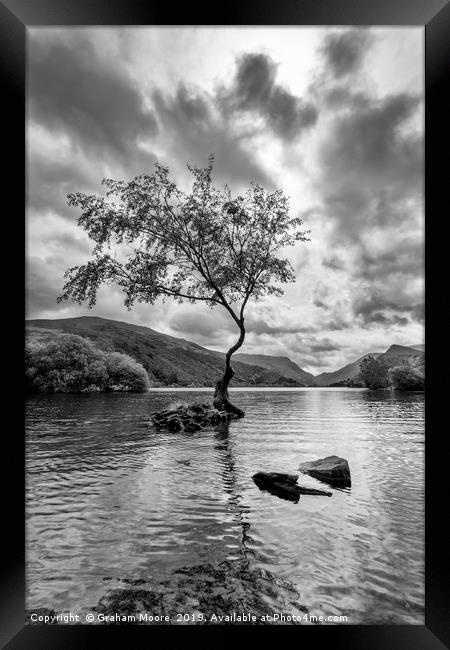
[[221, 398]]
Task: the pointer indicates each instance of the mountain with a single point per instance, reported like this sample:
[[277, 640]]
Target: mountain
[[394, 355], [171, 360], [420, 347], [398, 353], [350, 371], [282, 365], [167, 359]]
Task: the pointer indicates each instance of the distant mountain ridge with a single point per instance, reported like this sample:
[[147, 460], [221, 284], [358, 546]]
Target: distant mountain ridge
[[395, 354], [167, 359], [350, 371], [171, 360], [400, 351], [283, 365]]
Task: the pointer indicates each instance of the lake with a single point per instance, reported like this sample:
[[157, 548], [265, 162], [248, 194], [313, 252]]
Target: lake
[[108, 497]]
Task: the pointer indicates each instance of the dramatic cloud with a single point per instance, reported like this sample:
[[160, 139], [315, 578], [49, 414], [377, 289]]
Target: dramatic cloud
[[369, 162], [262, 327], [334, 263], [376, 307], [255, 89], [72, 89], [193, 129], [369, 141], [42, 286], [344, 51], [51, 177], [405, 259], [333, 117], [324, 345], [201, 321]]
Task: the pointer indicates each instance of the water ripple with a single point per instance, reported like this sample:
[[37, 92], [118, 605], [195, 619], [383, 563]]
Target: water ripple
[[108, 495]]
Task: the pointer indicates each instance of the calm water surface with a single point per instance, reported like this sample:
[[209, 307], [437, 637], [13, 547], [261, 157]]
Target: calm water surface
[[109, 496]]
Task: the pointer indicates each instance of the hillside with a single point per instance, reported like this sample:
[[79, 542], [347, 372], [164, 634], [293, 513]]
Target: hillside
[[282, 365], [350, 371], [394, 355], [167, 359], [399, 352], [398, 355], [170, 360]]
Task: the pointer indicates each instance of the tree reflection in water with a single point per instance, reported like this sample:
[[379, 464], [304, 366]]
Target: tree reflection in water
[[224, 446]]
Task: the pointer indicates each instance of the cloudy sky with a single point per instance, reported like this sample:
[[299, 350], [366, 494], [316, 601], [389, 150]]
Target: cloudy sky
[[333, 116]]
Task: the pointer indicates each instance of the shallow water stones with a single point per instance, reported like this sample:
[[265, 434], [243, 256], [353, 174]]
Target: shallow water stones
[[284, 486], [281, 485], [190, 417], [230, 592], [332, 469]]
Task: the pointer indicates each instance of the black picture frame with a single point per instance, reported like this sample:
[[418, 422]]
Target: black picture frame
[[434, 16]]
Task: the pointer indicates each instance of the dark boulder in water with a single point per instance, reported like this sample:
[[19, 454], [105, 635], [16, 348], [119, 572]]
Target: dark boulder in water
[[275, 477], [280, 485], [190, 417], [284, 486], [332, 469], [174, 423]]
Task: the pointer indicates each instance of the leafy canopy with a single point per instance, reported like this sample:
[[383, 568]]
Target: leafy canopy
[[68, 363], [204, 245], [374, 372], [407, 377]]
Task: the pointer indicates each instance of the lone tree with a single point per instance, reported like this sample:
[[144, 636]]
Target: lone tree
[[374, 372], [154, 240]]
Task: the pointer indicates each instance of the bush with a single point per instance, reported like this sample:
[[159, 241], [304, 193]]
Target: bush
[[374, 373], [68, 363], [126, 372], [172, 378], [407, 377]]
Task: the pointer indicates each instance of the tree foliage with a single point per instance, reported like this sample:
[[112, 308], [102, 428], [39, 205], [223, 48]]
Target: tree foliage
[[204, 245], [374, 372], [68, 363], [407, 377], [396, 372], [154, 240]]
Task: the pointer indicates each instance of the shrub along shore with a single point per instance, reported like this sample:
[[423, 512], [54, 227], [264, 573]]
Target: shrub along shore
[[68, 363]]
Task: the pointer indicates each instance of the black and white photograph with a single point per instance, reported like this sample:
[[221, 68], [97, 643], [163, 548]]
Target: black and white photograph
[[224, 335]]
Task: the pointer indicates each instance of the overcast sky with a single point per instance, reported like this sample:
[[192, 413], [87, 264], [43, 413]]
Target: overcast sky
[[333, 116]]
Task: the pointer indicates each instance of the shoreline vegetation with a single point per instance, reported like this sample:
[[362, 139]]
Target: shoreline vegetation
[[92, 355], [68, 363]]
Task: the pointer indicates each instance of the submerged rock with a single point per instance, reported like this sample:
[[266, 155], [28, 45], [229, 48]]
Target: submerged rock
[[173, 423], [284, 486], [206, 594], [231, 592], [332, 469], [190, 417]]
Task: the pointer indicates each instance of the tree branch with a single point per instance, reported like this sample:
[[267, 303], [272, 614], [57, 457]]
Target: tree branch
[[178, 294]]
